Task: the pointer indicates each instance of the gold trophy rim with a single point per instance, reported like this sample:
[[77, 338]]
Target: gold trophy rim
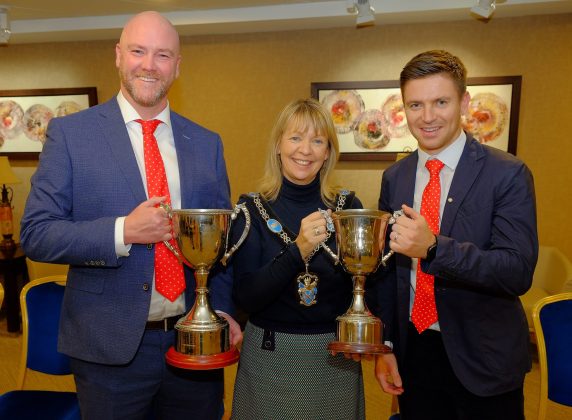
[[350, 212], [202, 211]]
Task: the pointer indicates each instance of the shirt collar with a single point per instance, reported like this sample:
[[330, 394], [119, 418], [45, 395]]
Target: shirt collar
[[449, 156], [130, 114]]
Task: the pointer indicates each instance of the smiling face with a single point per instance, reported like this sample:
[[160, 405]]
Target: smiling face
[[302, 152], [147, 57], [433, 106]]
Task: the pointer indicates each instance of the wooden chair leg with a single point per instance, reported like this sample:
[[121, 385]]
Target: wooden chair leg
[[394, 405]]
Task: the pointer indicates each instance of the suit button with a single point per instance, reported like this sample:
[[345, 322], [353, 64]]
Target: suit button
[[145, 286], [149, 246]]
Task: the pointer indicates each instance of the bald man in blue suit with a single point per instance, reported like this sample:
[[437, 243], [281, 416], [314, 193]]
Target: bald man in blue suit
[[89, 208]]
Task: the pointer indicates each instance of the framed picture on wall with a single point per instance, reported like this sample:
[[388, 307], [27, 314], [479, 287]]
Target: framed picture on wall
[[371, 125], [25, 114]]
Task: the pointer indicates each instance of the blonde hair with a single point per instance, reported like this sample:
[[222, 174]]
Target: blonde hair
[[304, 114]]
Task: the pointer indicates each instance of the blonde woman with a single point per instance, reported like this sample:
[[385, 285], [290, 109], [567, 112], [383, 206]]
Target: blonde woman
[[287, 283]]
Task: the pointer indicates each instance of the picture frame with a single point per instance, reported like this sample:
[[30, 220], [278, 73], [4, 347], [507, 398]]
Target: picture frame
[[371, 125], [25, 114]]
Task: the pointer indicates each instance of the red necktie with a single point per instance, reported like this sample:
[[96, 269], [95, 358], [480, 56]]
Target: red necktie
[[169, 275], [424, 312]]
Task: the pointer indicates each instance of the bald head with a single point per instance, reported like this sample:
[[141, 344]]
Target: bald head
[[148, 57], [151, 24]]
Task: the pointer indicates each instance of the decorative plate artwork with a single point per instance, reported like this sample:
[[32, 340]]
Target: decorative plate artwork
[[370, 131], [394, 116], [486, 117], [345, 107], [67, 107], [36, 121], [11, 118]]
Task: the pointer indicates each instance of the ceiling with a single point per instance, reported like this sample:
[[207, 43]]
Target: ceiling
[[34, 21]]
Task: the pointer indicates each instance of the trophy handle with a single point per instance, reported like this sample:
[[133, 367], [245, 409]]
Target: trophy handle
[[234, 215], [386, 257], [391, 221], [169, 246]]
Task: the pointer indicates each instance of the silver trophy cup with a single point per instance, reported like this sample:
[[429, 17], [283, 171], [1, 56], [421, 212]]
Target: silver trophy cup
[[202, 236], [360, 238]]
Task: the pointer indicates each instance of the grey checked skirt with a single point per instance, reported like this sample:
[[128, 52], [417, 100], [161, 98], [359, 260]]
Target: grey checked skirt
[[297, 380]]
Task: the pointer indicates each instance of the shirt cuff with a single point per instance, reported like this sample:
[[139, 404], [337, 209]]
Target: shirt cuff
[[121, 250]]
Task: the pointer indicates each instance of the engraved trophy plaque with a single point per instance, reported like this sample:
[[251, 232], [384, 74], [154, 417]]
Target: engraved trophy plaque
[[202, 337], [360, 238]]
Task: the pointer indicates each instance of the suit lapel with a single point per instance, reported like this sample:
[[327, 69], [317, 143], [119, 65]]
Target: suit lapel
[[469, 167], [405, 182], [184, 147], [116, 136]]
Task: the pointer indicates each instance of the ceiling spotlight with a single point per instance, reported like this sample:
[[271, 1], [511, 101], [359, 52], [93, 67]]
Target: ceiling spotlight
[[484, 8], [365, 13], [4, 25]]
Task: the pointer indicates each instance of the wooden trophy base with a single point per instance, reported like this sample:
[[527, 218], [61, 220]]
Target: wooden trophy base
[[212, 361], [365, 348]]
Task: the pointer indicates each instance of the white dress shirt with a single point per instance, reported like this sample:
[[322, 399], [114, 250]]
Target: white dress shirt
[[161, 307], [450, 157]]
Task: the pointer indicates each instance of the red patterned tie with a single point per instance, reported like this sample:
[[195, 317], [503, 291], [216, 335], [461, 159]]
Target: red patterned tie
[[169, 275], [424, 312]]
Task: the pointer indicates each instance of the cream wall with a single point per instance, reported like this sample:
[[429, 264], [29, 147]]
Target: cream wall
[[236, 84]]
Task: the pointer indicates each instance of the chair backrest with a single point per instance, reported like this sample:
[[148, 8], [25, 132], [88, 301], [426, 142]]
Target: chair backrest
[[41, 302], [38, 270], [1, 294], [552, 318], [553, 270]]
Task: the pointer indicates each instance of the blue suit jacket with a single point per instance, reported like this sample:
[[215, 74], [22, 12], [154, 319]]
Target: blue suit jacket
[[485, 259], [86, 178]]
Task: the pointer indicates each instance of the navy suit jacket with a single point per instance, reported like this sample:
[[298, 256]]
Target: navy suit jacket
[[87, 177], [486, 255]]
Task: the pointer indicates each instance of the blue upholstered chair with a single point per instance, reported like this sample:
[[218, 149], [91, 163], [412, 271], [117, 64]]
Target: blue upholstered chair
[[37, 270], [552, 318], [41, 302]]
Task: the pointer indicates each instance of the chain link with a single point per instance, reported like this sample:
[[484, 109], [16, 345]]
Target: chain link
[[286, 238], [341, 200]]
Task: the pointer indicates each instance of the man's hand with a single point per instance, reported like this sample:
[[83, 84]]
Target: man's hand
[[411, 235], [147, 223], [387, 374]]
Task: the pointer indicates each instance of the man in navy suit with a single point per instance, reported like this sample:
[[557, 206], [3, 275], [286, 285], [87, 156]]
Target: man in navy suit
[[89, 208], [469, 358]]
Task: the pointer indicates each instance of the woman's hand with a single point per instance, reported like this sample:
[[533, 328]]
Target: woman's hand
[[312, 232], [235, 332]]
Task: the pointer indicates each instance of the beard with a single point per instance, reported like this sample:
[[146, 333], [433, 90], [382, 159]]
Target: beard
[[145, 97]]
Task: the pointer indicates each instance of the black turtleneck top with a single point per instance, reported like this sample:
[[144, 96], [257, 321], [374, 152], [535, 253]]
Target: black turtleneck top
[[265, 268]]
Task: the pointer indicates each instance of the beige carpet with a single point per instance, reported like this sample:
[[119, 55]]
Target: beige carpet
[[378, 404]]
